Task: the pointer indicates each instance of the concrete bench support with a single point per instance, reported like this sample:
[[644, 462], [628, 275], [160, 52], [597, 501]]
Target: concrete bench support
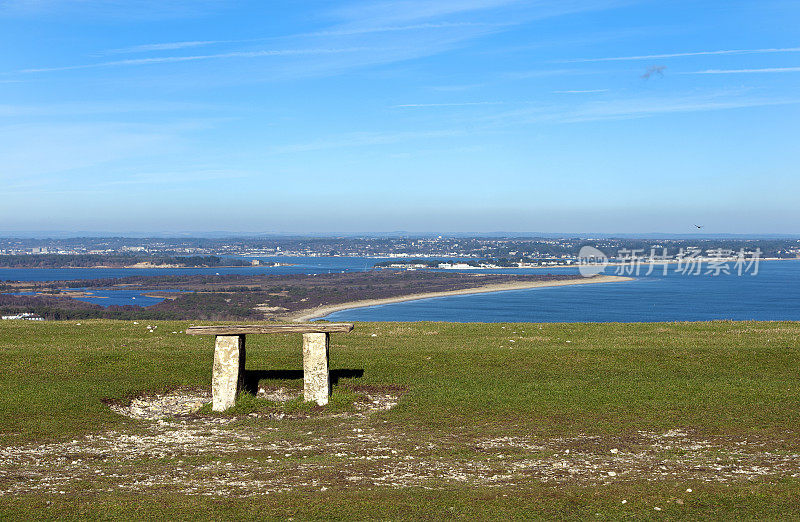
[[316, 378], [229, 354], [228, 372]]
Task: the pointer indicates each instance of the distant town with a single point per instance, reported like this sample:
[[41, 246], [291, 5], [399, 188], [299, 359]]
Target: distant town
[[413, 252]]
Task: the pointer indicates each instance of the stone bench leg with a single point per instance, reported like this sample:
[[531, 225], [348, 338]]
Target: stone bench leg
[[316, 381], [228, 374]]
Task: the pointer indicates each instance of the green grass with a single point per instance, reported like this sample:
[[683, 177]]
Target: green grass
[[463, 382]]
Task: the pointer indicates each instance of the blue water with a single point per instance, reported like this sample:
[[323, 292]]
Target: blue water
[[303, 265], [773, 294], [113, 296], [131, 296]]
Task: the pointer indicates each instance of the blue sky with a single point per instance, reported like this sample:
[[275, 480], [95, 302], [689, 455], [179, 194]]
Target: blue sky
[[426, 116]]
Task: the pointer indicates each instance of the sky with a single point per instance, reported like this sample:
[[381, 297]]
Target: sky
[[436, 116]]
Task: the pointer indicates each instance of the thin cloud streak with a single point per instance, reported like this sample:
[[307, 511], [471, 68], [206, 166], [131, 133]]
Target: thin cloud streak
[[681, 55], [362, 139], [628, 109], [370, 14], [400, 28], [645, 108], [579, 91], [128, 9], [395, 17], [521, 75], [177, 59], [747, 71], [169, 46], [464, 104], [99, 108]]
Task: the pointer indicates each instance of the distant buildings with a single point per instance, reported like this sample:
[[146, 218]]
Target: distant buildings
[[23, 317]]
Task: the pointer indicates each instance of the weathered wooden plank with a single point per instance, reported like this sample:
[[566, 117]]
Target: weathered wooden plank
[[241, 329]]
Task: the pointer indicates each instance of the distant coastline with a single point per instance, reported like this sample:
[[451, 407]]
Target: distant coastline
[[135, 267], [322, 311], [642, 262]]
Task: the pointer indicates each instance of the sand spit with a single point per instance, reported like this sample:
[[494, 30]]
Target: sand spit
[[322, 311]]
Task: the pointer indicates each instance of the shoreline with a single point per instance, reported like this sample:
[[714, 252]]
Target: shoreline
[[150, 267], [133, 267], [319, 312], [642, 263]]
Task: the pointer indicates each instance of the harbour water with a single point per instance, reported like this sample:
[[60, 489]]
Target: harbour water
[[772, 294]]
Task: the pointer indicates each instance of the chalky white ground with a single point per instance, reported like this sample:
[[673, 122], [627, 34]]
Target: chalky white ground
[[228, 456]]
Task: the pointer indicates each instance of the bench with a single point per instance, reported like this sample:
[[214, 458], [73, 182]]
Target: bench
[[227, 377]]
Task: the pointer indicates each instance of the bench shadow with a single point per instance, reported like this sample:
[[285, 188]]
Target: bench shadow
[[252, 377]]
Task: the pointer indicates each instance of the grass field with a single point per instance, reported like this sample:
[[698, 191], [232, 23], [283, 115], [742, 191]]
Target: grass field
[[675, 420]]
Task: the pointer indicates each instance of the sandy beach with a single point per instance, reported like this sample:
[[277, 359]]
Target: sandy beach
[[322, 311]]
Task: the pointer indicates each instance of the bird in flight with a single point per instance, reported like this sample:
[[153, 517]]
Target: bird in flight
[[699, 226]]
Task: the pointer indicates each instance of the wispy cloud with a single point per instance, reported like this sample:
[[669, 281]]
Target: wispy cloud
[[747, 71], [581, 91], [627, 108], [171, 46], [359, 35], [361, 139], [387, 13], [123, 178], [194, 58], [647, 107], [168, 46], [169, 178], [456, 88], [464, 104], [138, 9], [355, 31], [103, 108], [392, 12], [681, 55], [544, 73], [50, 148]]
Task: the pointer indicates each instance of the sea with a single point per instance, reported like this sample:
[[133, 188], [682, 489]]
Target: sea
[[770, 293]]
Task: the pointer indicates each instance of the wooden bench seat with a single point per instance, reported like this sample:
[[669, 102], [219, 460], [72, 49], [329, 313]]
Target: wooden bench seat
[[241, 329], [229, 357]]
